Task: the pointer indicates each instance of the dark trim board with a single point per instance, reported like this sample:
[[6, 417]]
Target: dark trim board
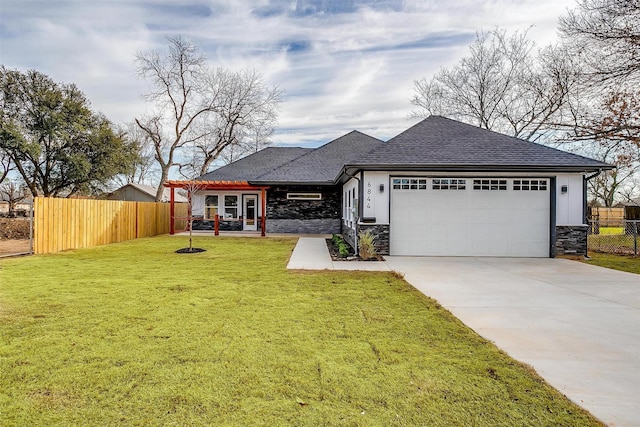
[[552, 217]]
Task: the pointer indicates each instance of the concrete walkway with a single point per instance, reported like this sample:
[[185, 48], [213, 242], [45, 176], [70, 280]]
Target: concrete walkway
[[578, 325], [312, 254]]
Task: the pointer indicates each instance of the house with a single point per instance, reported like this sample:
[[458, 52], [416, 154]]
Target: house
[[142, 193], [630, 202], [440, 188], [20, 209]]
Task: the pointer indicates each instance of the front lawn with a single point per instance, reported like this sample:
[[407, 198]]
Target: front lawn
[[134, 334], [616, 262]]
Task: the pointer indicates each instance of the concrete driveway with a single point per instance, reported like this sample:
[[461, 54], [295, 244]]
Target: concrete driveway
[[576, 324]]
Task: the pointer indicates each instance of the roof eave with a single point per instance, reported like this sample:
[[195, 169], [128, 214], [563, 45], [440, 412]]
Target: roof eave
[[477, 168], [272, 183]]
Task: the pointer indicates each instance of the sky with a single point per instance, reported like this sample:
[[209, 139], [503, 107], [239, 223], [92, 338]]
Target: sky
[[342, 64]]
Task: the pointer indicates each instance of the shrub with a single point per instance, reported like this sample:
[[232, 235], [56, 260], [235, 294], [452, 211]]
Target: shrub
[[343, 249], [366, 244]]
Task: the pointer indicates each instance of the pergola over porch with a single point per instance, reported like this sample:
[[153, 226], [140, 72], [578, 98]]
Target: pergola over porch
[[202, 185]]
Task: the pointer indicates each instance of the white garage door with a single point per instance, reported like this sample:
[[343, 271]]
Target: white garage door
[[470, 217]]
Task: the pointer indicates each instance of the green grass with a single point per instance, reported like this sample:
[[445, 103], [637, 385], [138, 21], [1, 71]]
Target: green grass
[[612, 243], [630, 264], [611, 230], [134, 334]]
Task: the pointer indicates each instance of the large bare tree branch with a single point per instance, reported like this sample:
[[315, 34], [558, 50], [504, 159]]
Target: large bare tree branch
[[206, 110], [502, 85]]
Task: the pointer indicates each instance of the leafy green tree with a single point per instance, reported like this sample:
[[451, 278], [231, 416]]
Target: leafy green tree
[[55, 142]]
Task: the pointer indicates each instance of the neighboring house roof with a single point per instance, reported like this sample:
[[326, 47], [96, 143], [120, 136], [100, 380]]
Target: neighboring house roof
[[441, 143], [632, 202], [149, 191], [257, 164]]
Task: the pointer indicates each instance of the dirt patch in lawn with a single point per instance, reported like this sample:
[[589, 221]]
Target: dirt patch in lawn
[[8, 247], [14, 236]]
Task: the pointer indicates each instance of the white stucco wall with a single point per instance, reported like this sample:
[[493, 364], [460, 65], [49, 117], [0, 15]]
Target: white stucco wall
[[376, 202], [198, 201], [569, 205], [348, 203]]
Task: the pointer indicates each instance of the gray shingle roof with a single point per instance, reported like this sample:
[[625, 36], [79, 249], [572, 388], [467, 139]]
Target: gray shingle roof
[[440, 142], [436, 143], [323, 164], [251, 167]]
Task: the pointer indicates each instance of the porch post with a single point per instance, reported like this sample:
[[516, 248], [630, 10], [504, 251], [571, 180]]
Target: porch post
[[172, 210], [263, 224]]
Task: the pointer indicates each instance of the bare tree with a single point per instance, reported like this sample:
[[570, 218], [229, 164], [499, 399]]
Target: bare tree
[[244, 121], [610, 131], [13, 192], [197, 107], [503, 85], [176, 78], [143, 169], [606, 35]]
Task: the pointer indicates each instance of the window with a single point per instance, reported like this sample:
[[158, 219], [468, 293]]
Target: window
[[448, 184], [490, 184], [210, 206], [230, 207], [304, 196], [530, 184], [409, 184]]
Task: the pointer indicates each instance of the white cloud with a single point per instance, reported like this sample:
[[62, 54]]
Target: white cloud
[[340, 71]]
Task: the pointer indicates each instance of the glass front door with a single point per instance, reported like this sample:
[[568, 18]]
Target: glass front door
[[250, 217]]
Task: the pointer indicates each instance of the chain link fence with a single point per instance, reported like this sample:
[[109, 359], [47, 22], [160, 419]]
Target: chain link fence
[[614, 236], [16, 230]]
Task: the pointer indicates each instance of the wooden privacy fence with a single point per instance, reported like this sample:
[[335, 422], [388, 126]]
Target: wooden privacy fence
[[608, 214], [61, 224]]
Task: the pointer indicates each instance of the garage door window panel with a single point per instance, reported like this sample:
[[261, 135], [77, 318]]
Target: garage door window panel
[[530, 185], [411, 183], [448, 184], [490, 184]]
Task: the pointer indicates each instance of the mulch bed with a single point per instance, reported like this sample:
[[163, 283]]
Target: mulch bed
[[335, 253], [190, 250]]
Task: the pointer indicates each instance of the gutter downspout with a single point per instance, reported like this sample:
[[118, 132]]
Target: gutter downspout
[[355, 237]]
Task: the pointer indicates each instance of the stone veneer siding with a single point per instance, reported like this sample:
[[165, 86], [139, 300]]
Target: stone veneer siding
[[304, 216], [380, 231], [571, 240], [209, 225], [304, 226]]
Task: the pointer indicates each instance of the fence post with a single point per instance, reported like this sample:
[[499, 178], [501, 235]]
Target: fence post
[[635, 237], [31, 213], [216, 225]]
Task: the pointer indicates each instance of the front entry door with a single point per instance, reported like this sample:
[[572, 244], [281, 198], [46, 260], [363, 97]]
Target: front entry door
[[250, 209]]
